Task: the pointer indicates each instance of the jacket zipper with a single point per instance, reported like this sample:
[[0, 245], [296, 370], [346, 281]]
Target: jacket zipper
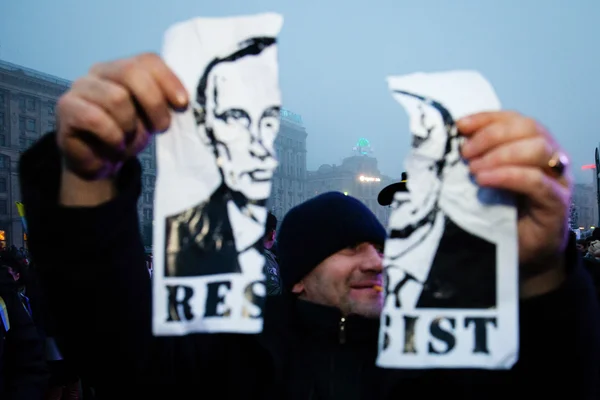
[[342, 330]]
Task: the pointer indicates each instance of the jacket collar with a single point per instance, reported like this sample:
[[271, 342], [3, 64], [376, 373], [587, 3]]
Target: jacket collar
[[319, 322]]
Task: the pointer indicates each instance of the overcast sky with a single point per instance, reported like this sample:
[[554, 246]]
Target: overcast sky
[[541, 56]]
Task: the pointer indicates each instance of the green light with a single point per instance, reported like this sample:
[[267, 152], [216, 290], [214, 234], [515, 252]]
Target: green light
[[362, 142], [346, 193]]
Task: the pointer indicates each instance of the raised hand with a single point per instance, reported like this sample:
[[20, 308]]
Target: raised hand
[[107, 116]]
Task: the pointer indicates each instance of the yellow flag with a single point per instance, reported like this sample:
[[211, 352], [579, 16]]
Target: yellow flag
[[21, 211], [20, 208]]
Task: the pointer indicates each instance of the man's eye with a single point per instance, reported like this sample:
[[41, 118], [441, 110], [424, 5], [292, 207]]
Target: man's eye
[[270, 123], [236, 117]]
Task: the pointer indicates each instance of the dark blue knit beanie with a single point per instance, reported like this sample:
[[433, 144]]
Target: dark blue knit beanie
[[320, 227]]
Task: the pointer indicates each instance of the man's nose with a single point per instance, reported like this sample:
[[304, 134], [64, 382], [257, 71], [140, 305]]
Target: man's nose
[[259, 150], [373, 261]]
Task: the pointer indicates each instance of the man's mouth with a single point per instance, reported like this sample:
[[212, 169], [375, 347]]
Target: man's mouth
[[375, 285], [260, 175]]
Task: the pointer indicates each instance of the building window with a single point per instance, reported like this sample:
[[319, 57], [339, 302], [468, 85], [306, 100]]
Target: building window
[[30, 104], [3, 140], [148, 197], [22, 103], [51, 126], [22, 143], [3, 162], [2, 185], [1, 118], [51, 107], [1, 99], [22, 124], [148, 181], [3, 207], [148, 214], [30, 142], [30, 125]]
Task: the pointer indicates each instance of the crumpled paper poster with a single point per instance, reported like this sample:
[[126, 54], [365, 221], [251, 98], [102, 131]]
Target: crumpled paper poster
[[451, 259], [215, 166]]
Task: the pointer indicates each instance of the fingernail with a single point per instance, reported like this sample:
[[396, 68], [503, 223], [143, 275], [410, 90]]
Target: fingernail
[[182, 98], [464, 121], [484, 177], [474, 165], [466, 149]]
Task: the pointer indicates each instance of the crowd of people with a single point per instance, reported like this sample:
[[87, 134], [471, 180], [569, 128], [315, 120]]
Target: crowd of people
[[92, 285], [31, 366]]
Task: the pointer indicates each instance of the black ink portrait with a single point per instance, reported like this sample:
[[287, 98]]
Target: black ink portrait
[[447, 266], [237, 112]]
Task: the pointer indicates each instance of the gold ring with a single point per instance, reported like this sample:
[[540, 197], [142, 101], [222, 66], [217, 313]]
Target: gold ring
[[557, 163]]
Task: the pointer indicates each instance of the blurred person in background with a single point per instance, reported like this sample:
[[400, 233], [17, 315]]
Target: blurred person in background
[[271, 269], [23, 370]]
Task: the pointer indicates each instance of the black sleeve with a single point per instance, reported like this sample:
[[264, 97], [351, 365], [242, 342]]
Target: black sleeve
[[560, 338], [91, 267]]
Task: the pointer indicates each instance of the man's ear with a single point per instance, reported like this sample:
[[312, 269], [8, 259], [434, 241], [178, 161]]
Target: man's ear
[[298, 288]]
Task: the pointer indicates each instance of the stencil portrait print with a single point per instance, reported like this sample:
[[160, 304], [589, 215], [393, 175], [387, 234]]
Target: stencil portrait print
[[460, 270], [237, 112]]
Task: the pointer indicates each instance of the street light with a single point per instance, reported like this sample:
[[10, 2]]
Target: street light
[[368, 179]]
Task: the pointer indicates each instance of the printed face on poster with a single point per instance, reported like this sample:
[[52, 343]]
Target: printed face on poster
[[215, 168], [451, 256]]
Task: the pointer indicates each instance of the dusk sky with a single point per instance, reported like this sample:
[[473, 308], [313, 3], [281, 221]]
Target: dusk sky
[[541, 56]]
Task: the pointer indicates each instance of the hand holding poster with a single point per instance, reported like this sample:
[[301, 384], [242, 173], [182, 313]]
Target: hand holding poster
[[215, 166], [451, 259]]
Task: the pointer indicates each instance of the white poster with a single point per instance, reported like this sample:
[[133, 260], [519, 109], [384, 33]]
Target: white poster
[[215, 166], [451, 259]]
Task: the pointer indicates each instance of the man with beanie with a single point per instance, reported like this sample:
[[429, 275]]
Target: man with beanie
[[318, 268], [319, 340]]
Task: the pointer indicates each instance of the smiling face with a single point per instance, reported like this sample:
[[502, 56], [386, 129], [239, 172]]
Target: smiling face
[[346, 280], [242, 109]]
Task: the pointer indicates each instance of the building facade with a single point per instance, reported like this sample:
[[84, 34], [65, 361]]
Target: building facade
[[357, 176], [289, 180], [146, 202], [584, 199], [27, 111]]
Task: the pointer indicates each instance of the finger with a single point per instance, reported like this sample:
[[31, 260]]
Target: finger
[[472, 123], [114, 99], [534, 152], [151, 103], [170, 84], [495, 134], [531, 182], [139, 142], [89, 134], [80, 115], [89, 164]]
